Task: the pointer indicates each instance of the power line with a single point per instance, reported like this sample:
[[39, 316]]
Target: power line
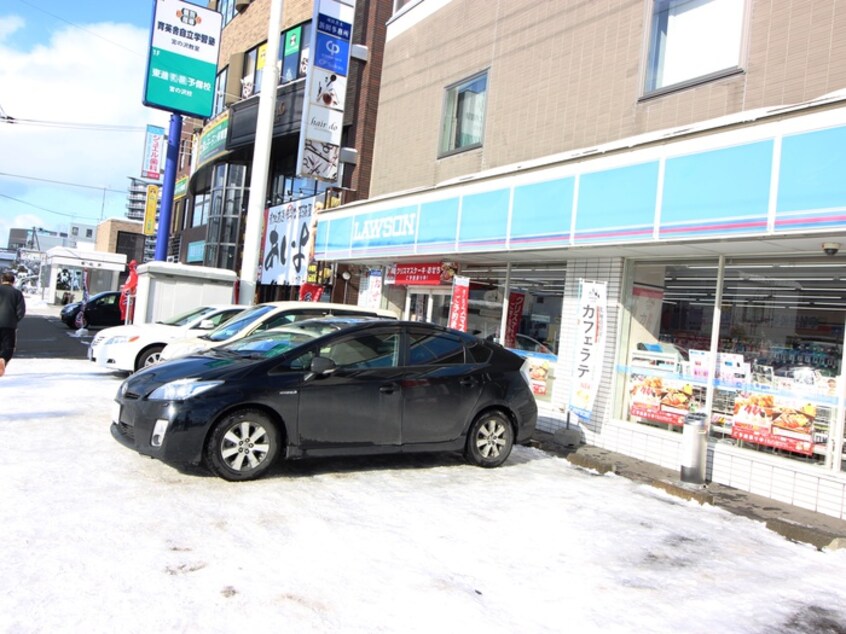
[[54, 182], [49, 211], [69, 125]]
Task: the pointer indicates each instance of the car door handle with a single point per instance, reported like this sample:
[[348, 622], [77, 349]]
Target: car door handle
[[388, 388]]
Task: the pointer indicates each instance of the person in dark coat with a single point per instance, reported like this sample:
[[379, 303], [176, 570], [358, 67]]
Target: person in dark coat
[[12, 310]]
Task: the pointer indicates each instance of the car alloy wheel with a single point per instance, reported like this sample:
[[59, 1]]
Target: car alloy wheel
[[151, 356], [490, 440], [242, 446]]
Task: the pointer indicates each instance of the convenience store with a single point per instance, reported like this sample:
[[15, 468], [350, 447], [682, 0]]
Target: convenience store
[[702, 239]]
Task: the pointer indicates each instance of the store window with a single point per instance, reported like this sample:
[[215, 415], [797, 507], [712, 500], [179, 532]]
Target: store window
[[464, 114], [692, 40], [220, 92], [772, 383], [227, 203]]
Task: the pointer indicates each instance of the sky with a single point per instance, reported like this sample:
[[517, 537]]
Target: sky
[[63, 63], [97, 538]]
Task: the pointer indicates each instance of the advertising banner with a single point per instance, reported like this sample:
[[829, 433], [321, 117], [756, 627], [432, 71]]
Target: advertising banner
[[516, 301], [182, 61], [153, 153], [775, 421], [589, 347], [370, 294], [459, 303], [151, 204], [319, 151], [310, 292], [420, 274], [287, 235]]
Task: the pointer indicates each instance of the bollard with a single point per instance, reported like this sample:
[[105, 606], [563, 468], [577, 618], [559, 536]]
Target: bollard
[[694, 448]]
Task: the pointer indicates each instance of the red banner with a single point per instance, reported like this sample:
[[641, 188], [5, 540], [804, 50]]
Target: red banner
[[420, 274], [311, 292], [516, 302], [458, 305]]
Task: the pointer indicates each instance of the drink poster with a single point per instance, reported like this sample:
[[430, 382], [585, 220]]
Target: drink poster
[[589, 333]]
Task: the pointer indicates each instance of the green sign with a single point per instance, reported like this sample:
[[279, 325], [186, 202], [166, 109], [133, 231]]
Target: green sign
[[182, 63], [213, 139], [292, 41]]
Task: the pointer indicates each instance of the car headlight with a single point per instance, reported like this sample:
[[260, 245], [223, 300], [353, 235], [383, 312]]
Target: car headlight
[[181, 389], [119, 339]]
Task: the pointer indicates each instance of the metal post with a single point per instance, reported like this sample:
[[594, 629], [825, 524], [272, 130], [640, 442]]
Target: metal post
[[261, 159], [163, 233], [506, 292]]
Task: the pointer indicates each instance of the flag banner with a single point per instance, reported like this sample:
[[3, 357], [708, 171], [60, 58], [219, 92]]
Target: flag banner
[[287, 235], [589, 333], [458, 305]]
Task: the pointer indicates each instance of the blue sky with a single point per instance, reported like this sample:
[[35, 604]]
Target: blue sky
[[80, 63]]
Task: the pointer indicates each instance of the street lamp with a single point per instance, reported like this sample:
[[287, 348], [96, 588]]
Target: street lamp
[[346, 276]]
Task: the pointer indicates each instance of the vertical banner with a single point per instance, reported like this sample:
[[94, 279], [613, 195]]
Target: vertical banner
[[151, 205], [458, 305], [370, 294], [79, 320], [311, 292], [319, 151], [287, 234], [152, 167], [589, 347], [516, 301]]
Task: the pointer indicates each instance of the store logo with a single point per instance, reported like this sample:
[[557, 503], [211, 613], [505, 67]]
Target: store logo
[[189, 17], [392, 226]]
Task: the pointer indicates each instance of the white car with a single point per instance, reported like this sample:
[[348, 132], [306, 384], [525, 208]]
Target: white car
[[130, 348], [264, 317]]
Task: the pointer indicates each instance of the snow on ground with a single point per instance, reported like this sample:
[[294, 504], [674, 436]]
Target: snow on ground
[[98, 538]]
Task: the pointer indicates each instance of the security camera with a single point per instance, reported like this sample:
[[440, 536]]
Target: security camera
[[830, 248]]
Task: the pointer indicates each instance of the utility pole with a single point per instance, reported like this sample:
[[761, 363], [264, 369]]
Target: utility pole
[[261, 159]]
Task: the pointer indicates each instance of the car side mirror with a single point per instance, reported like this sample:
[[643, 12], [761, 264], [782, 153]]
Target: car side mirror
[[322, 366], [206, 324]]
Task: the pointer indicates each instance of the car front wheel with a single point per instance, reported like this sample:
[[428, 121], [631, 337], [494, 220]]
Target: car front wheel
[[242, 446], [150, 356], [490, 440]]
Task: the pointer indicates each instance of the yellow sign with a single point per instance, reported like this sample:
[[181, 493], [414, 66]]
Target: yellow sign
[[150, 209]]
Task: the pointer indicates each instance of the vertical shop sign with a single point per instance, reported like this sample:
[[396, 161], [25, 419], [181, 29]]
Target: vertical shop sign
[[311, 292], [516, 301], [151, 204], [182, 61], [152, 166], [458, 305], [319, 151], [589, 347], [287, 232]]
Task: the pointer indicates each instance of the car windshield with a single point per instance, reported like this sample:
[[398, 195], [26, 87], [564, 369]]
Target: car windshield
[[183, 318], [266, 345], [239, 323]]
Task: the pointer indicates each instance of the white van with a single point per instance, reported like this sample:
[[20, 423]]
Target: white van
[[264, 317]]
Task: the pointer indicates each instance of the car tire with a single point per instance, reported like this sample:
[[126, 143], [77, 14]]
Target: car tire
[[148, 357], [242, 446], [490, 440]]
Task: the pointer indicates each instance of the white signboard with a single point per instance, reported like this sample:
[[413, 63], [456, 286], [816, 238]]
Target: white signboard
[[287, 235], [370, 295], [589, 333]]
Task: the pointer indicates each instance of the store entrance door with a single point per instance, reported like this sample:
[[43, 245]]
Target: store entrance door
[[428, 304]]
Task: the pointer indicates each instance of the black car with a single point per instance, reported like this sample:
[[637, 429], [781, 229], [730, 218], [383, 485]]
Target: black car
[[372, 387], [101, 310]]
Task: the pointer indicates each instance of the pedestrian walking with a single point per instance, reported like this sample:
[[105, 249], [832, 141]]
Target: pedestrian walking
[[12, 310]]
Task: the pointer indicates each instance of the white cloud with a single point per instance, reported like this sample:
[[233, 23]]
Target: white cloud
[[92, 75], [9, 24]]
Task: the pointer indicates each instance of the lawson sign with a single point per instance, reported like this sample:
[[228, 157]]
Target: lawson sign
[[384, 229]]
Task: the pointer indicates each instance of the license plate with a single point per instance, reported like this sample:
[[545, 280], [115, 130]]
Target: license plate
[[115, 412]]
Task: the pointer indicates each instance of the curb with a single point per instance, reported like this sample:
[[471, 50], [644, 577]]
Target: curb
[[582, 456]]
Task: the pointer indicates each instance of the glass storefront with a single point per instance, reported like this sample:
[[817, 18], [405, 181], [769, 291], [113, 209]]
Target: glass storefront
[[774, 381]]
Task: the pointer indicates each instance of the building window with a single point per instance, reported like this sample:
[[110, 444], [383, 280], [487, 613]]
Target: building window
[[220, 92], [693, 40], [89, 233], [464, 114], [293, 59], [74, 231], [227, 10], [399, 5]]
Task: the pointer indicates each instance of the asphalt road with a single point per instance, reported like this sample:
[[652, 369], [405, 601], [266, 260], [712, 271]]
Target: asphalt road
[[46, 337]]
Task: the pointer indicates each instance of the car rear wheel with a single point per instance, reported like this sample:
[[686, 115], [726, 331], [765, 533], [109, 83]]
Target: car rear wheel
[[242, 446], [490, 440], [150, 356]]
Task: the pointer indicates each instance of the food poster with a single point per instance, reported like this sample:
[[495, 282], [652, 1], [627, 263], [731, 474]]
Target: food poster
[[784, 413], [663, 399], [541, 373], [774, 421]]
